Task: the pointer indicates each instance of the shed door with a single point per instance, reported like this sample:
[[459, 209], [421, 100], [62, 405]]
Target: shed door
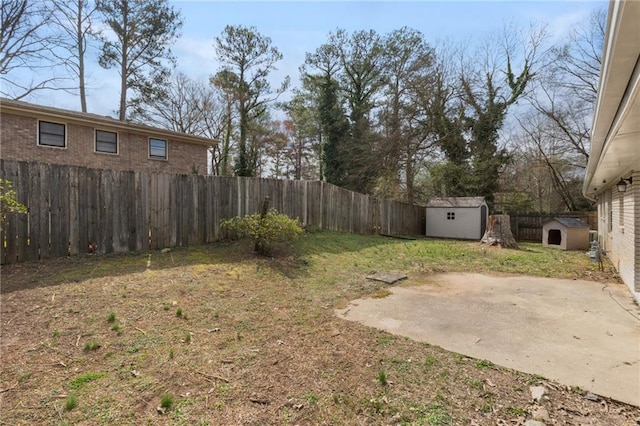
[[483, 220]]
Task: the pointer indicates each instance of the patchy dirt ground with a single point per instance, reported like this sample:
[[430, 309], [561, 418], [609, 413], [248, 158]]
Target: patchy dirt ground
[[218, 336]]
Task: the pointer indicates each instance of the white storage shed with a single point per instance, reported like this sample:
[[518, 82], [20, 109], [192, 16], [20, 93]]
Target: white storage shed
[[462, 218]]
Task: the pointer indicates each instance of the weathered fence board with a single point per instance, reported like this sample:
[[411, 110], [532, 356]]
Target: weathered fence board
[[75, 209], [92, 184], [44, 212], [33, 201], [211, 223], [106, 208], [74, 219], [142, 215], [9, 237], [59, 192]]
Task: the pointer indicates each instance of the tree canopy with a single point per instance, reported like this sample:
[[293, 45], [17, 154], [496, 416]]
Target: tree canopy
[[393, 115]]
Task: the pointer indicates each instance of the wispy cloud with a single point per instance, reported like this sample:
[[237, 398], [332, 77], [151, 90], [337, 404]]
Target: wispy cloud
[[196, 56], [297, 27], [559, 26]]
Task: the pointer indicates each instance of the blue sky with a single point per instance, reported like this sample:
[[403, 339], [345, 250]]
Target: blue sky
[[296, 27]]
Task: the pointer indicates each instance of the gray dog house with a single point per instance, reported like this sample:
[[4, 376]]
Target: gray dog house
[[565, 233], [462, 218]]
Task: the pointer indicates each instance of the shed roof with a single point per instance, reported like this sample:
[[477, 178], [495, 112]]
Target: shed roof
[[570, 222], [456, 202]]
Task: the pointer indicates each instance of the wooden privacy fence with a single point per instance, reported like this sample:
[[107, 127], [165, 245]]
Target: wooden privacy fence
[[528, 226], [74, 208]]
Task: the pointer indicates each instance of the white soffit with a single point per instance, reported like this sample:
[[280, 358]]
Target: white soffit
[[615, 142]]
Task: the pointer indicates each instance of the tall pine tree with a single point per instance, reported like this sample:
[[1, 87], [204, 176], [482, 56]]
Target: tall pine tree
[[144, 31]]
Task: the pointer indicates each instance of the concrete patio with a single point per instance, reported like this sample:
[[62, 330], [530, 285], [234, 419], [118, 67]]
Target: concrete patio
[[579, 333]]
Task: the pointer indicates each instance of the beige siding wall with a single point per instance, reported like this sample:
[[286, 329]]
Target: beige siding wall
[[634, 227], [577, 238], [19, 141]]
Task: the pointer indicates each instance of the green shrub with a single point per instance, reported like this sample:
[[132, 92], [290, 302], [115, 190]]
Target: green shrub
[[267, 232], [382, 378], [83, 379], [166, 401], [8, 201], [91, 346], [70, 403]]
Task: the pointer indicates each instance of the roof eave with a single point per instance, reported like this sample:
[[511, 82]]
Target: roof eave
[[24, 108], [613, 102]]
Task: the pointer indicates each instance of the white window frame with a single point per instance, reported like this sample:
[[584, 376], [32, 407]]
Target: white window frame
[[166, 149], [64, 125], [95, 142]]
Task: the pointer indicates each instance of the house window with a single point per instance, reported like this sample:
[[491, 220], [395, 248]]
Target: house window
[[451, 215], [157, 148], [106, 142], [51, 134]]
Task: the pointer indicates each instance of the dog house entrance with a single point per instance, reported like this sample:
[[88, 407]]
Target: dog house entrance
[[555, 237]]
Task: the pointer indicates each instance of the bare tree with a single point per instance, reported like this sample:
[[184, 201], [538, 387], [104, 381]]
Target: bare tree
[[74, 20], [544, 143], [24, 49], [559, 123], [575, 64], [188, 106]]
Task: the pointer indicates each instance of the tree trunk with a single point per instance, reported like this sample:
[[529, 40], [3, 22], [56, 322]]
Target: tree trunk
[[260, 247], [81, 49], [498, 232]]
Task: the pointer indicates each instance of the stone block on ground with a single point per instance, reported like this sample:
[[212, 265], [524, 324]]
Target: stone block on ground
[[537, 392], [387, 277]]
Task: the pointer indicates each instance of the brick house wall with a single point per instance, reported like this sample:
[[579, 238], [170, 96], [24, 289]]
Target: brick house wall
[[19, 141], [619, 214]]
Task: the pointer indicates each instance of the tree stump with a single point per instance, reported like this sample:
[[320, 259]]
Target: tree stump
[[498, 232]]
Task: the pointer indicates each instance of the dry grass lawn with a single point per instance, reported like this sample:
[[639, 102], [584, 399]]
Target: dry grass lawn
[[215, 335]]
